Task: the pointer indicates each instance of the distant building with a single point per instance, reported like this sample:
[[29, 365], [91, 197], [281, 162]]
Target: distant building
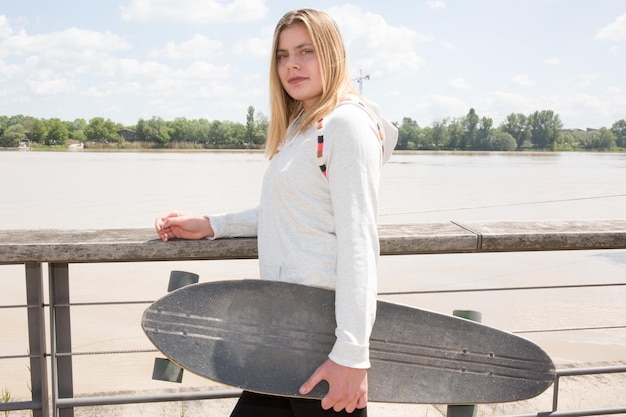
[[128, 135]]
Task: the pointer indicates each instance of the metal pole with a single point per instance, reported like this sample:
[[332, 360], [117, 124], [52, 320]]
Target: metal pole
[[360, 80], [37, 338], [60, 337], [464, 410]]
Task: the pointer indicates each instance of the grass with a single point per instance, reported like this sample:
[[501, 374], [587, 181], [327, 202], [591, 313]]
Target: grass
[[6, 397]]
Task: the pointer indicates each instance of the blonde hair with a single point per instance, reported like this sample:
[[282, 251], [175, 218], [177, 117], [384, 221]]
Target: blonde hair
[[336, 81]]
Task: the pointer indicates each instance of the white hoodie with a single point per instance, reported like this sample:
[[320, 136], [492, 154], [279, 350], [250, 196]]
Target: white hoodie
[[322, 231]]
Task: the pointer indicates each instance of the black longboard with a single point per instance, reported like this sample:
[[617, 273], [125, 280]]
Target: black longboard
[[269, 337]]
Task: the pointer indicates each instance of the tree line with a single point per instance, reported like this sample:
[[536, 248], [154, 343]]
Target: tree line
[[541, 130]]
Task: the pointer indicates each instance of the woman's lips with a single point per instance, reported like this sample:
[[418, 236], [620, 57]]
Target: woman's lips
[[296, 80]]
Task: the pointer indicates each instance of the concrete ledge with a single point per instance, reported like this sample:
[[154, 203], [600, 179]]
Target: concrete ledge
[[130, 245]]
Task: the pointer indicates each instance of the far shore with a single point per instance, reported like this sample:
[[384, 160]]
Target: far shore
[[199, 148]]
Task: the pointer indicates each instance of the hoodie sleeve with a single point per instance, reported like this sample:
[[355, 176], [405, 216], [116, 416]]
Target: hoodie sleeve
[[239, 224], [353, 171]]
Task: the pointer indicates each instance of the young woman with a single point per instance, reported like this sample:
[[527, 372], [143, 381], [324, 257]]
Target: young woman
[[317, 219]]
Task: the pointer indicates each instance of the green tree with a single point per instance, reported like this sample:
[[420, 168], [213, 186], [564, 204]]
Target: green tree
[[226, 134], [483, 134], [260, 132], [440, 135], [200, 131], [180, 130], [545, 129], [58, 133], [77, 129], [39, 131], [256, 128], [501, 141], [455, 133], [601, 139], [250, 125], [517, 125], [424, 139], [408, 134], [4, 123], [12, 136], [100, 130], [154, 130], [619, 130], [19, 119], [570, 139], [470, 125]]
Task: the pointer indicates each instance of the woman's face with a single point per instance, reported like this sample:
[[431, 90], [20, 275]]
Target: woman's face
[[298, 66]]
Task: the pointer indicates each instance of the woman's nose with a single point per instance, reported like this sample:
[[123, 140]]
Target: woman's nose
[[293, 62]]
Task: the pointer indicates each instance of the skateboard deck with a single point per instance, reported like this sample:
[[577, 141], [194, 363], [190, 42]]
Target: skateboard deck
[[269, 337]]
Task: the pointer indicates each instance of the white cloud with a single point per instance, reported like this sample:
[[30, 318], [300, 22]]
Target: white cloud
[[253, 47], [576, 110], [256, 46], [436, 4], [375, 46], [112, 89], [437, 107], [8, 70], [71, 40], [63, 56], [197, 11], [587, 79], [204, 70], [198, 47], [459, 83], [446, 106], [51, 86], [583, 110], [447, 45], [5, 29], [552, 61], [523, 80], [616, 31]]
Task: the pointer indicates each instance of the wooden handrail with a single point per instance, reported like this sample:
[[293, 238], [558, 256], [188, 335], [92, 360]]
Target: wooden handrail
[[133, 245]]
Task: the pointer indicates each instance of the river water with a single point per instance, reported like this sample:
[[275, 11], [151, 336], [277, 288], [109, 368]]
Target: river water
[[89, 190]]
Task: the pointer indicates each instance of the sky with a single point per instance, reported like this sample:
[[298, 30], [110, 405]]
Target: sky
[[428, 60]]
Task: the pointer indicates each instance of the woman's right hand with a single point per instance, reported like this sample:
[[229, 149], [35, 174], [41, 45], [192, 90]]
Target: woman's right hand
[[182, 226]]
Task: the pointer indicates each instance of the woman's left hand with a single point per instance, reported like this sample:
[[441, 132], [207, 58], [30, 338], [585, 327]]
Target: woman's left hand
[[347, 386]]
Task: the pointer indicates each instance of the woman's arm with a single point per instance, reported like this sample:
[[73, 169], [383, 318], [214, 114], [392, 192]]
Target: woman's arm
[[183, 226]]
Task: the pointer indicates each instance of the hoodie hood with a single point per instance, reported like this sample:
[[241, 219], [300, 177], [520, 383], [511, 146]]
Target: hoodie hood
[[389, 131]]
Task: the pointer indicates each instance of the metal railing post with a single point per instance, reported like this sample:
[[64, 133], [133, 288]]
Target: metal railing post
[[60, 337], [555, 394], [37, 338], [468, 410]]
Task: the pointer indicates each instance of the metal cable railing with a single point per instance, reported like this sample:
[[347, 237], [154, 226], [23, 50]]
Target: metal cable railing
[[63, 403]]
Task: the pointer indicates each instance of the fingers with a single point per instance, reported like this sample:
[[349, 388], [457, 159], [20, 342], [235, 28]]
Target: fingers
[[348, 403], [347, 386], [163, 224], [160, 229], [362, 402], [310, 383]]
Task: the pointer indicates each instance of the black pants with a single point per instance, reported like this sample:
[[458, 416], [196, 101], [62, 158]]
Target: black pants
[[259, 405]]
